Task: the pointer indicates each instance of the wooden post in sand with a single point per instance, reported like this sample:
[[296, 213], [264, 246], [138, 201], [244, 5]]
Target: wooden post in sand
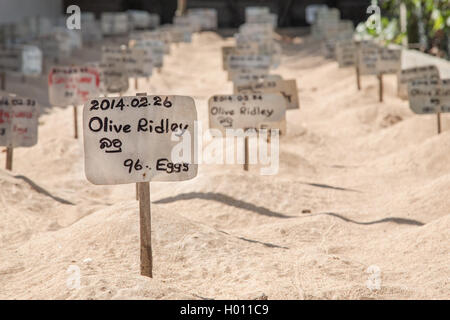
[[136, 83], [380, 86], [9, 158], [145, 229], [246, 153], [358, 78], [145, 216], [2, 80], [75, 121], [439, 122], [132, 162]]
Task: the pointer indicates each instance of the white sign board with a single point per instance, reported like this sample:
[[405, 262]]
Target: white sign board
[[249, 48], [367, 58], [113, 77], [114, 23], [18, 121], [26, 60], [345, 53], [73, 85], [156, 48], [132, 139], [137, 62], [389, 61], [246, 79], [429, 96], [444, 95], [206, 16], [312, 10], [252, 62], [420, 73], [246, 111], [287, 88]]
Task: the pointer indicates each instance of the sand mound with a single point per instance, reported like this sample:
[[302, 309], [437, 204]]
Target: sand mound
[[361, 184]]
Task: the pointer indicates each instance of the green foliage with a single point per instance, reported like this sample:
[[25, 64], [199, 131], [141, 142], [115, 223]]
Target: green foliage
[[435, 18]]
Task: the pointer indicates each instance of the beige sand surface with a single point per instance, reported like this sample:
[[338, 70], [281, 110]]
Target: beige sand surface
[[375, 177]]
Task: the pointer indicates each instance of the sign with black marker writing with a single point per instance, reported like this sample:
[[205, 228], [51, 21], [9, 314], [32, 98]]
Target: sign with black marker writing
[[244, 111], [249, 48], [367, 58], [25, 60], [444, 95], [389, 60], [114, 77], [287, 88], [156, 48], [133, 139], [256, 62], [419, 73], [138, 62], [18, 121], [429, 96], [245, 79], [345, 53]]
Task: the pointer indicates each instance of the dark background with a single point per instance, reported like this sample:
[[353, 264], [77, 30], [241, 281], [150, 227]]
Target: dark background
[[230, 12]]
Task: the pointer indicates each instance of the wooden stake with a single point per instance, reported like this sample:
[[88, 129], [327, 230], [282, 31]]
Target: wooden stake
[[3, 80], [145, 216], [439, 122], [145, 229], [246, 153], [137, 184], [75, 121], [380, 83], [9, 158], [137, 191], [358, 78], [136, 83]]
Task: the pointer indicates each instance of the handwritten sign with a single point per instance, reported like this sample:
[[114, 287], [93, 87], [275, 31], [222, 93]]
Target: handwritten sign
[[25, 60], [18, 121], [367, 58], [113, 77], [429, 96], [73, 85], [388, 60], [420, 73], [130, 139], [156, 49], [248, 63], [345, 53], [177, 34], [206, 16], [245, 111], [260, 15], [265, 29], [249, 48], [137, 62], [444, 95], [114, 23], [287, 88], [246, 79]]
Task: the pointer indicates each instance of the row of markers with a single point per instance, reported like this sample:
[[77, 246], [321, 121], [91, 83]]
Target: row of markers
[[255, 89], [135, 139], [75, 85], [422, 86], [117, 151]]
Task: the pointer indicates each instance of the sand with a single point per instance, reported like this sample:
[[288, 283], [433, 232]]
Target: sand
[[361, 184]]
